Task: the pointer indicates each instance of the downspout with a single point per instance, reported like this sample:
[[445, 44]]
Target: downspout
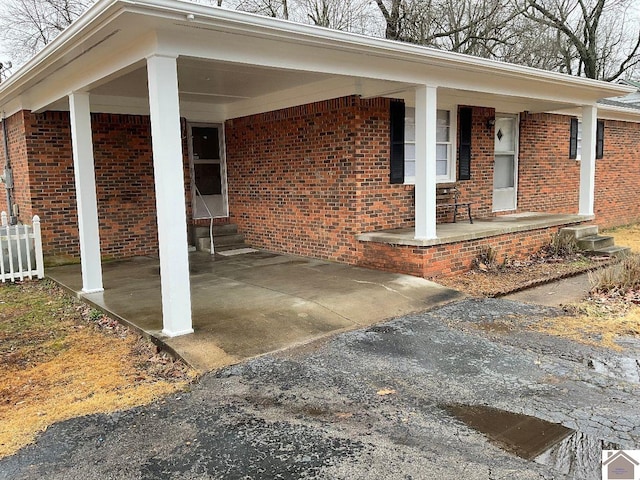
[[7, 176]]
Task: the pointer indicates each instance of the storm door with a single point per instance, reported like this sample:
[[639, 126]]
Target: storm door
[[505, 166], [208, 171]]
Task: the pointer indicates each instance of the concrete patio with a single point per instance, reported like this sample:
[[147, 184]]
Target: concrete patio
[[250, 304]]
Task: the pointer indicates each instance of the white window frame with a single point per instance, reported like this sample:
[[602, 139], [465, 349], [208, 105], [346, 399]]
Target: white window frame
[[579, 141], [452, 145]]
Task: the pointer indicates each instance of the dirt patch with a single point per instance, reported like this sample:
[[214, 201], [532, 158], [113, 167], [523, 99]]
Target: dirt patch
[[61, 359], [600, 320], [611, 311]]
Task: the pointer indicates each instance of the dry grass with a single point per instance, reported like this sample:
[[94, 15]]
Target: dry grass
[[612, 310], [594, 324], [628, 236], [61, 360]]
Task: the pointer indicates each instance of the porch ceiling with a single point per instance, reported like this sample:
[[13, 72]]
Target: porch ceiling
[[212, 81]]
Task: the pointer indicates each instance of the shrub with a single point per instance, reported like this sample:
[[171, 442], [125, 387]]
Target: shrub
[[563, 245]]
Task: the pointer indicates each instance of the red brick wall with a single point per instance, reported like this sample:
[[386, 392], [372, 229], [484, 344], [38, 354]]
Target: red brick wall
[[618, 175], [16, 134], [548, 181], [124, 183], [448, 259], [307, 179]]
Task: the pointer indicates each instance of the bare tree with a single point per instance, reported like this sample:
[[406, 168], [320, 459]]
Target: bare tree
[[475, 27], [346, 15], [269, 8], [597, 31], [28, 25]]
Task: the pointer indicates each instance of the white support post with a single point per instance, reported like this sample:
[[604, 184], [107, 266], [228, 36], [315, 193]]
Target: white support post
[[85, 177], [425, 189], [588, 160], [164, 106]]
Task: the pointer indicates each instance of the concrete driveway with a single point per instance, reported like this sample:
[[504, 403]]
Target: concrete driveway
[[255, 303], [449, 393]]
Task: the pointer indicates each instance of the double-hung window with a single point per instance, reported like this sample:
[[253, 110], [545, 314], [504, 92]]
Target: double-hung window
[[445, 146]]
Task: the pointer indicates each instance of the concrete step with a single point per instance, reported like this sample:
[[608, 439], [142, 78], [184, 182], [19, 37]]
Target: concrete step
[[612, 251], [223, 240], [204, 245], [218, 230], [580, 231], [595, 242]]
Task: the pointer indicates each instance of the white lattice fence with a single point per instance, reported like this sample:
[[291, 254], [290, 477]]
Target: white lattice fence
[[20, 250]]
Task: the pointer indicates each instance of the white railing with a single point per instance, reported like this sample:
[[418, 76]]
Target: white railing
[[199, 195], [20, 250]]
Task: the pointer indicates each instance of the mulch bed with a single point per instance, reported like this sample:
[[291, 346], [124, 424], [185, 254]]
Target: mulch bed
[[497, 280]]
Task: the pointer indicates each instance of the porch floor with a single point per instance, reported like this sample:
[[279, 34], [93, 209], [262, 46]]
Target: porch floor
[[251, 304], [480, 228]]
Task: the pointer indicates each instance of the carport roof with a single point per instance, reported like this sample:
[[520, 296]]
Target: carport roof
[[105, 50]]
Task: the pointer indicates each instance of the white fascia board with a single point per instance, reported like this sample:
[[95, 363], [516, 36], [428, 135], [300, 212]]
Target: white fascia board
[[313, 92], [265, 27], [203, 112], [62, 83], [90, 21], [614, 112], [119, 105], [409, 63]]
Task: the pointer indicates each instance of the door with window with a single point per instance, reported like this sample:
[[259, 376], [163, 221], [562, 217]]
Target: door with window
[[209, 174], [505, 166]]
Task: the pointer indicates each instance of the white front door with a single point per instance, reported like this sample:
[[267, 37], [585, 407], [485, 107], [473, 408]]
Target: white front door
[[505, 166], [208, 171]]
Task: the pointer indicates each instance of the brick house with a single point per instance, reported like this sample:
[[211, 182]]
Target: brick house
[[144, 119]]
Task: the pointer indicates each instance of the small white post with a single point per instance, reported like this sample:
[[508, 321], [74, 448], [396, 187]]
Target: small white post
[[4, 219], [2, 258], [19, 253], [588, 160], [10, 254], [28, 235], [37, 236], [425, 188]]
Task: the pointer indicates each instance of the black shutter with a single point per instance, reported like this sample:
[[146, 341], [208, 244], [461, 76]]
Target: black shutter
[[573, 139], [397, 142], [464, 158], [600, 139]]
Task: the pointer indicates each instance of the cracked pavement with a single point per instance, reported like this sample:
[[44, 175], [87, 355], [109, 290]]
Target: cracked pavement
[[315, 411]]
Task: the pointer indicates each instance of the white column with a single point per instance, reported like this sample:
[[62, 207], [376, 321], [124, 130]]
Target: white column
[[588, 160], [425, 198], [85, 177], [164, 105]]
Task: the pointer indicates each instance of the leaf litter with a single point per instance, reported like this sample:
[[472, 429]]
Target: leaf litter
[[61, 359]]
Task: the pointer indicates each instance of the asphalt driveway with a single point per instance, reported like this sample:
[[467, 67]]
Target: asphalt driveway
[[381, 402]]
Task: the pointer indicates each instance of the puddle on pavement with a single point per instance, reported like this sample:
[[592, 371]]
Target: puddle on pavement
[[563, 449]]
